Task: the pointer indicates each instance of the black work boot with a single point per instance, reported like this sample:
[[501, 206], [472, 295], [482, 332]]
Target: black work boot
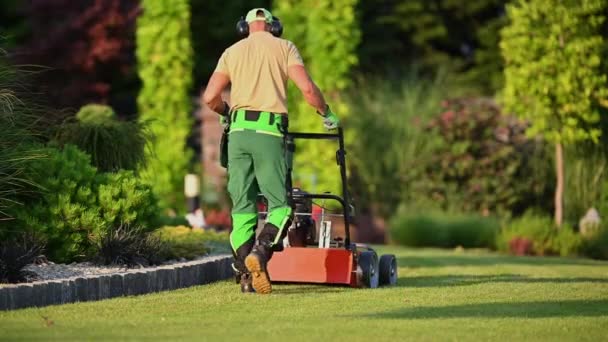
[[241, 274], [257, 260]]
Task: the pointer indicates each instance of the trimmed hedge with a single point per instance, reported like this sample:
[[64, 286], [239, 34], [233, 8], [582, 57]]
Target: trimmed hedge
[[443, 230]]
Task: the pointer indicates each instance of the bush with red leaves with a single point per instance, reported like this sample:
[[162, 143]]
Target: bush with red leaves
[[484, 163], [87, 46]]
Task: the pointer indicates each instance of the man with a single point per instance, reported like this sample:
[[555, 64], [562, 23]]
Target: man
[[258, 68]]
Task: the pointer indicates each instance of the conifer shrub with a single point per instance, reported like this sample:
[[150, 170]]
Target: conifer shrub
[[125, 199], [112, 144], [65, 213]]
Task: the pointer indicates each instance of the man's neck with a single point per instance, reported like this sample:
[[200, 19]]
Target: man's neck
[[257, 31]]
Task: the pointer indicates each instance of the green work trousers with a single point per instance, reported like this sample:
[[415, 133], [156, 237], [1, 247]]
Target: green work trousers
[[256, 163]]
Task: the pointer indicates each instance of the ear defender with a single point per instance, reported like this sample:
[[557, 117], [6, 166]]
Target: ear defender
[[242, 28], [276, 28]]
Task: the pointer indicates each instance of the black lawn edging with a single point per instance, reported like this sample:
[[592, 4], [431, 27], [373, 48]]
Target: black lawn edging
[[130, 283]]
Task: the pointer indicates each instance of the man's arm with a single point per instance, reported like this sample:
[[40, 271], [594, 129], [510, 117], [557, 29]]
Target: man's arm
[[312, 94], [213, 93]]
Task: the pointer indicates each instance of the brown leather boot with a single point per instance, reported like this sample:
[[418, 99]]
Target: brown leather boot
[[257, 260], [256, 263]]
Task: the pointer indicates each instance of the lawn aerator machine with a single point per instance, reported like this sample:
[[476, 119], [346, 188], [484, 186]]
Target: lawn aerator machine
[[304, 258]]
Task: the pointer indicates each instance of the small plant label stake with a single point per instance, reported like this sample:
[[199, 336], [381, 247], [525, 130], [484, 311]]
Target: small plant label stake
[[325, 234]]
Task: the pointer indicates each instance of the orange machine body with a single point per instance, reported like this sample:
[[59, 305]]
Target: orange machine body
[[313, 265]]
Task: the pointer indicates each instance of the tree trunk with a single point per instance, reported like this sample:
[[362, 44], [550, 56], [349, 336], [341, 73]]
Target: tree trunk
[[559, 188]]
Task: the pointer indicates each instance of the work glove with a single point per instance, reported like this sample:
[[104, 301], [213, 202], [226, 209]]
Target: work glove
[[330, 120]]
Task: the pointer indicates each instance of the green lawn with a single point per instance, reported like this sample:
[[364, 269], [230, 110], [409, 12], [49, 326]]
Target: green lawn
[[441, 295]]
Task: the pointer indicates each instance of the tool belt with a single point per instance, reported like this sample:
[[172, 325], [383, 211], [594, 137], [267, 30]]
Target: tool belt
[[252, 120], [260, 122]]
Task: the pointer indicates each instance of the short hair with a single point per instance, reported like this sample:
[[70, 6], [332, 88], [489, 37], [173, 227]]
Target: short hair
[[260, 14]]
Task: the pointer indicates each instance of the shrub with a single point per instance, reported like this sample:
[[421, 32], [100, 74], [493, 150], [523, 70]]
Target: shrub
[[541, 233], [123, 198], [65, 214], [484, 163], [15, 254], [129, 245], [566, 241], [77, 204], [188, 243], [112, 144], [442, 230]]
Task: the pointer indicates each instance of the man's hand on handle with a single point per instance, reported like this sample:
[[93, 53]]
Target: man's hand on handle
[[330, 120]]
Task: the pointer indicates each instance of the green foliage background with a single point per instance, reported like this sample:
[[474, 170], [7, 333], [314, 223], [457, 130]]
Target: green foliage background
[[165, 62], [389, 120], [460, 34], [327, 34]]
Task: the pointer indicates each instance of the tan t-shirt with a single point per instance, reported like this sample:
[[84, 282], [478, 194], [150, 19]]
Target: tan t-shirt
[[257, 68]]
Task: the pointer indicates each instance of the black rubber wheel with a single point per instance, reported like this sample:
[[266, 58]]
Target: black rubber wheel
[[368, 269], [387, 270]]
